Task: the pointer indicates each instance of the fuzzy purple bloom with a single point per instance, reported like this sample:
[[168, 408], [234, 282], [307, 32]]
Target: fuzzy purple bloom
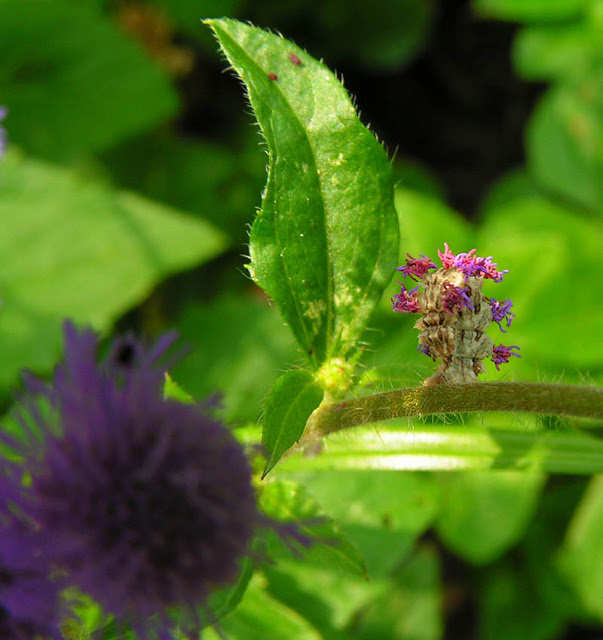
[[501, 354], [406, 301], [455, 298], [501, 311], [149, 502], [416, 267], [29, 600]]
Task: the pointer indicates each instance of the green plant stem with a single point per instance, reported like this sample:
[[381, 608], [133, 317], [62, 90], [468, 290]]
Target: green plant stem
[[553, 399]]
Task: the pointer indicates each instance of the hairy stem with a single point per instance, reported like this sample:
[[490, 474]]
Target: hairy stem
[[553, 399]]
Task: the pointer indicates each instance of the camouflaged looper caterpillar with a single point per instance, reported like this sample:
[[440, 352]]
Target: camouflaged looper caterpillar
[[455, 314], [457, 338]]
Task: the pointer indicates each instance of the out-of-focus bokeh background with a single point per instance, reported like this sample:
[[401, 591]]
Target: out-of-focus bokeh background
[[134, 171]]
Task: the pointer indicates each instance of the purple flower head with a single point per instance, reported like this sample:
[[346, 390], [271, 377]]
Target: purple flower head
[[149, 502], [406, 301], [416, 267], [455, 298], [501, 311], [501, 354], [29, 600]]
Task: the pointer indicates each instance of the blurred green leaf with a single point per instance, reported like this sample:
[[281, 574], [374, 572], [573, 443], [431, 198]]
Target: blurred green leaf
[[210, 180], [523, 594], [530, 10], [239, 348], [548, 52], [223, 601], [72, 248], [259, 616], [436, 447], [482, 514], [581, 556], [287, 408], [329, 548], [383, 33], [411, 609], [326, 598], [74, 84], [325, 243], [514, 185], [381, 512], [555, 261], [565, 141]]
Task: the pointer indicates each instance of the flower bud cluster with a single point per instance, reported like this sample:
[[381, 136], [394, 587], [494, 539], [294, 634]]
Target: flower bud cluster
[[455, 314]]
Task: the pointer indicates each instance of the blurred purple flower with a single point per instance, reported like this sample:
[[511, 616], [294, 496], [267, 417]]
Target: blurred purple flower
[[148, 502], [29, 601]]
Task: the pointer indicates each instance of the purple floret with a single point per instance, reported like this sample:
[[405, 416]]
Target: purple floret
[[455, 298], [501, 354], [416, 267], [148, 502], [501, 311], [406, 301]]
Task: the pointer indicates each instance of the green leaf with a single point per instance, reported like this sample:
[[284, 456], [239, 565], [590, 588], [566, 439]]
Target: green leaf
[[381, 512], [433, 448], [482, 514], [565, 141], [74, 83], [530, 10], [72, 248], [292, 399], [330, 548], [581, 557], [259, 616], [325, 243]]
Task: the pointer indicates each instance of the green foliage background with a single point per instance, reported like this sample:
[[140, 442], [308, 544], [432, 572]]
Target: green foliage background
[[116, 212]]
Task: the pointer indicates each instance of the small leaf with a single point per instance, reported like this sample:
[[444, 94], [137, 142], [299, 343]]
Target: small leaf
[[172, 390], [325, 243], [292, 399]]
